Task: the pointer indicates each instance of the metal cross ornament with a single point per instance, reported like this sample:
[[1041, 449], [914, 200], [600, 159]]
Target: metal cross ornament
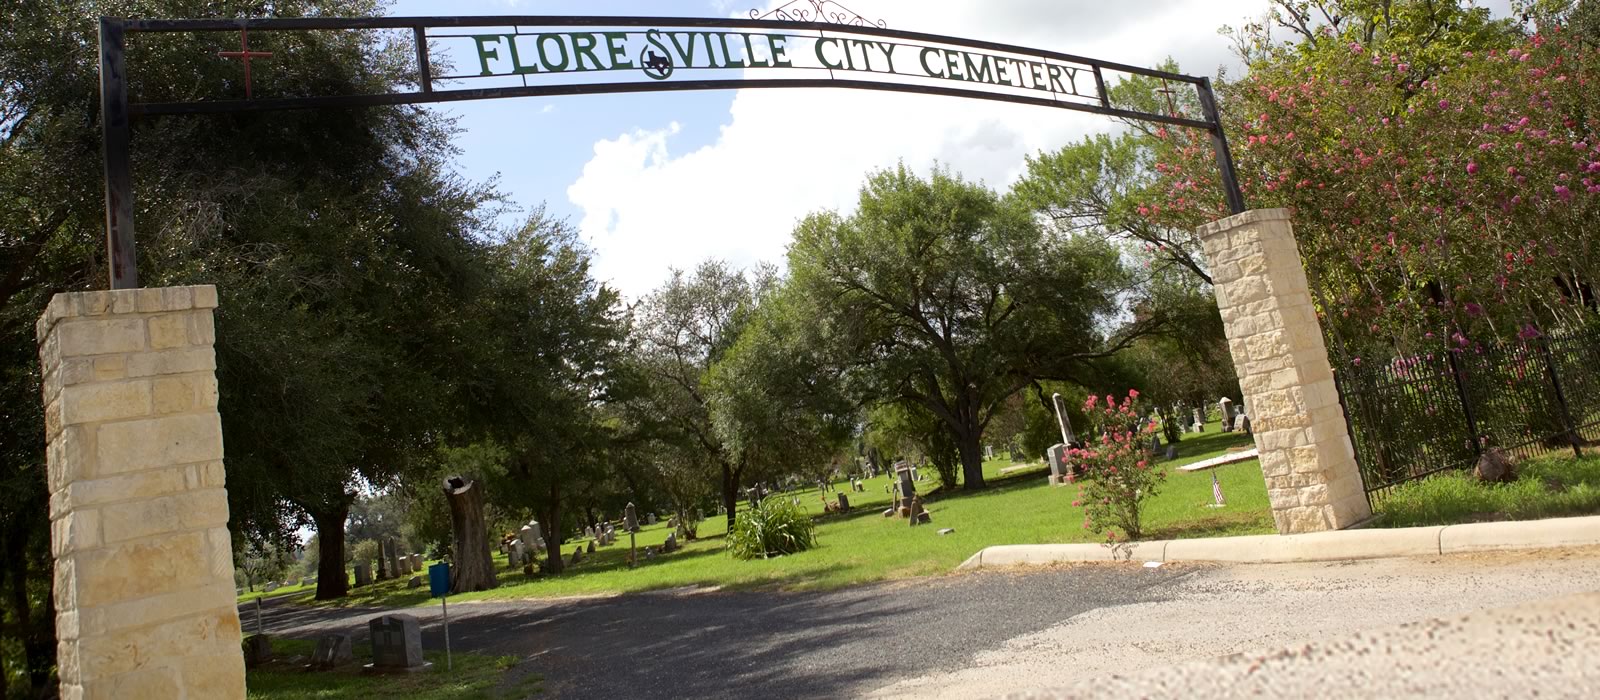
[[245, 54]]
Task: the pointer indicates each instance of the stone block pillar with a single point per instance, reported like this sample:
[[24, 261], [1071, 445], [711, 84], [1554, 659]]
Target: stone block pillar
[[138, 513], [1282, 363]]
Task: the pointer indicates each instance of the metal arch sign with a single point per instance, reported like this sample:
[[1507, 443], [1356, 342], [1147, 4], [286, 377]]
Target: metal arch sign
[[530, 56], [659, 55]]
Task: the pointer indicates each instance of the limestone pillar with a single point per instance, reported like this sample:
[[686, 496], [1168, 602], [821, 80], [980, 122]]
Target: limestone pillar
[[143, 561], [1282, 363]]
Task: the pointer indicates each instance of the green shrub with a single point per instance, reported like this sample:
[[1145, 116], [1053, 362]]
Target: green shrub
[[775, 526]]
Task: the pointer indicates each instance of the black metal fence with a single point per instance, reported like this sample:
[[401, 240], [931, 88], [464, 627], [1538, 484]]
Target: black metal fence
[[1417, 415]]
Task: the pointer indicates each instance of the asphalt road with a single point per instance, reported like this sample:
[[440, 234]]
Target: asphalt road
[[970, 635]]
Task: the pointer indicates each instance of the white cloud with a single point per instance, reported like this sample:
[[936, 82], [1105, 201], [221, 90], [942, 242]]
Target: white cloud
[[784, 153]]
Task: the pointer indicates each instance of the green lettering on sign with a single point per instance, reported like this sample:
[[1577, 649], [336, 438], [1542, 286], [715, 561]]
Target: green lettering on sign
[[658, 53]]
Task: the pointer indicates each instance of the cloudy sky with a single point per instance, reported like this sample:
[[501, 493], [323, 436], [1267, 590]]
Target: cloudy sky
[[663, 181]]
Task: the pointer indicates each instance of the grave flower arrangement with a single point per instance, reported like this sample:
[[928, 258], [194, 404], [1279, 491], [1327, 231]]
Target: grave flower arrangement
[[1116, 473]]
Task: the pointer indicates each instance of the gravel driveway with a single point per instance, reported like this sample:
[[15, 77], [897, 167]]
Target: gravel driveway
[[971, 635]]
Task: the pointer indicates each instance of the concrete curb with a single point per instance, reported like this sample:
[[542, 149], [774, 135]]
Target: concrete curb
[[1318, 546]]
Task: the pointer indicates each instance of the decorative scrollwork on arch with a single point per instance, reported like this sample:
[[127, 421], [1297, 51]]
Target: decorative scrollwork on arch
[[818, 11]]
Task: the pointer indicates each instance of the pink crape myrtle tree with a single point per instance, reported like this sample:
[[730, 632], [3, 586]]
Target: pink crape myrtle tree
[[1115, 476], [1445, 185]]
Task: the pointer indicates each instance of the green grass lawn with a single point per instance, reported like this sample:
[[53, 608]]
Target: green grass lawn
[[1548, 487], [471, 676], [280, 591], [862, 545]]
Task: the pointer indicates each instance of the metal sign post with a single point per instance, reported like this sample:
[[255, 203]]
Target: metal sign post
[[439, 587]]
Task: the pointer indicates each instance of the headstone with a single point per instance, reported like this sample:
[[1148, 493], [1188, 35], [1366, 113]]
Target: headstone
[[588, 531], [649, 552], [1244, 424], [415, 582], [519, 554], [650, 519], [591, 547], [919, 515], [1060, 465], [907, 482], [394, 560], [844, 502], [526, 535], [257, 650], [363, 573], [333, 650], [1199, 421], [671, 544], [630, 519], [270, 587], [699, 515], [1226, 408], [1172, 452], [1155, 443], [577, 556], [396, 643], [383, 563]]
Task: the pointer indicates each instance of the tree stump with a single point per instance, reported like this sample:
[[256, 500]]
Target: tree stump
[[473, 568]]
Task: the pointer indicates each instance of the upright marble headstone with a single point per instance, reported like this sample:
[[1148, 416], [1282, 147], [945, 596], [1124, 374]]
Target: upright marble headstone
[[394, 559], [363, 573], [1225, 407], [383, 563], [396, 643], [907, 482], [526, 537], [1060, 464]]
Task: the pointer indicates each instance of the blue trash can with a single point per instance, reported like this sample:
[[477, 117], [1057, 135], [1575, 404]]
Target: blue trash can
[[439, 579]]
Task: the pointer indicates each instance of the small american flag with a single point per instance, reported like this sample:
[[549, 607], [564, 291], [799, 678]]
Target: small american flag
[[1216, 490]]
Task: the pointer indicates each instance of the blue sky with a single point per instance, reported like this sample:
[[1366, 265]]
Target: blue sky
[[538, 146], [661, 181]]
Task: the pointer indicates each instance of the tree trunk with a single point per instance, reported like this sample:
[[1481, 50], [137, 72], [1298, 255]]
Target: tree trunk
[[730, 493], [553, 533], [1170, 427], [332, 581], [473, 568], [37, 632], [971, 458]]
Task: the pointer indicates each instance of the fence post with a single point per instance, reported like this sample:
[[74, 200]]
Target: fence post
[[1561, 396], [1466, 402]]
